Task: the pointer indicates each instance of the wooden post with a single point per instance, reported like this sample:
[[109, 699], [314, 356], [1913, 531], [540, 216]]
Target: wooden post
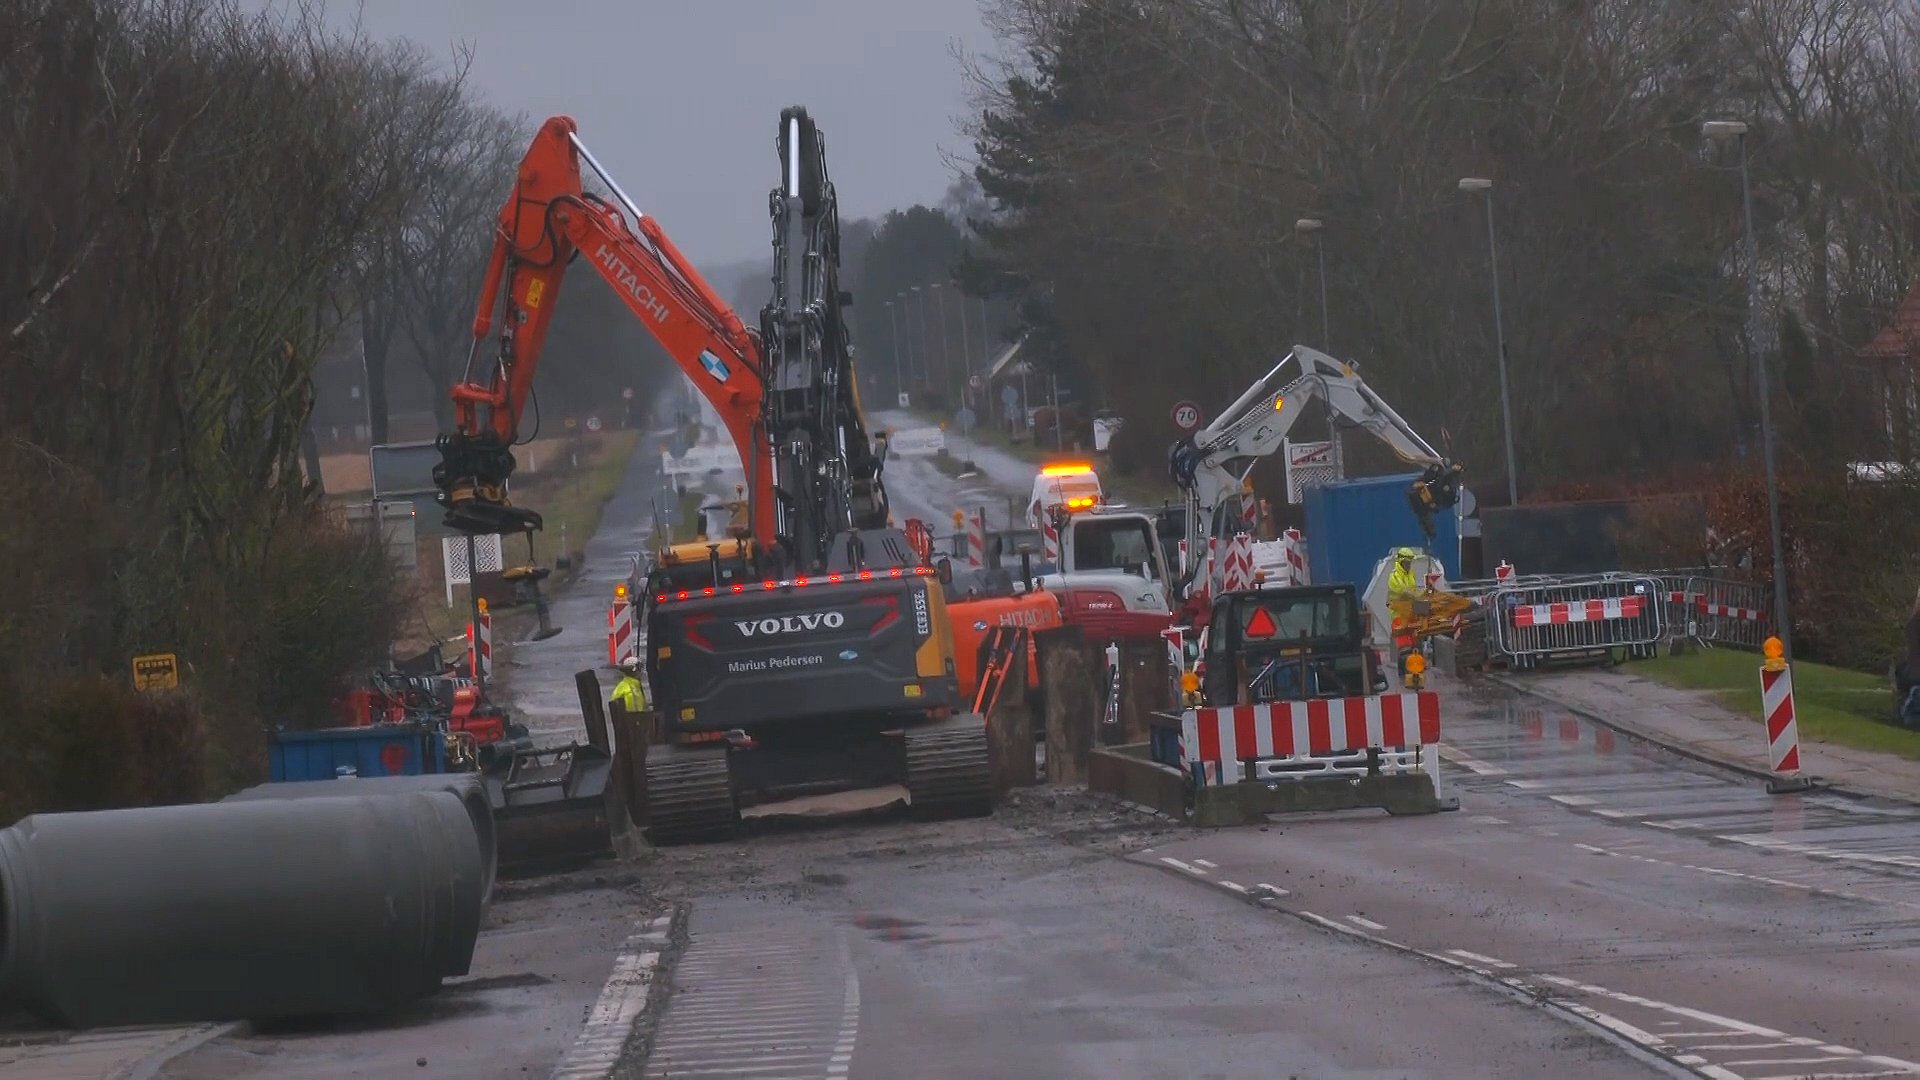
[[1145, 682], [1070, 682], [1010, 727]]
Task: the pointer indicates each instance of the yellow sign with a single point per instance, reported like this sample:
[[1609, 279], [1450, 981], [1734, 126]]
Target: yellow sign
[[158, 671], [535, 290]]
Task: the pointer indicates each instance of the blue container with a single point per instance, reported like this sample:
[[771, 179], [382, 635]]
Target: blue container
[[380, 750], [1354, 524]]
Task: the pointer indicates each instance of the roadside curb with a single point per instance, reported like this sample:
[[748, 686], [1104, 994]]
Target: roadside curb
[[1694, 753]]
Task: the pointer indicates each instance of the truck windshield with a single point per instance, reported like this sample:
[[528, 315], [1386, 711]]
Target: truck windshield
[[1281, 617], [1113, 545]]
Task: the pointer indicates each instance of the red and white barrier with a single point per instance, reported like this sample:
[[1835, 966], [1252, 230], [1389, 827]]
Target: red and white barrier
[[480, 652], [1294, 728], [1783, 732], [1296, 546], [1050, 542], [1504, 572], [1237, 574], [620, 638], [1578, 611], [977, 539]]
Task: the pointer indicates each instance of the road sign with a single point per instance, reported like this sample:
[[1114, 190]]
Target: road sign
[[904, 400], [965, 419], [1309, 453], [627, 393], [593, 423], [156, 671], [976, 382], [1009, 396], [1186, 415], [571, 423]]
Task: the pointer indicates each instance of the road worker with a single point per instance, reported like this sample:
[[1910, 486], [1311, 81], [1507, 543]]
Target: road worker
[[628, 693], [1401, 583]]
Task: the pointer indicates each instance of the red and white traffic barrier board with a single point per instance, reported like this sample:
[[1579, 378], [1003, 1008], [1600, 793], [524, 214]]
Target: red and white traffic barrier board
[[1725, 612], [620, 642], [1296, 547], [1237, 574], [1579, 611], [1504, 572], [480, 653], [977, 539], [1050, 543], [1783, 733], [1245, 732]]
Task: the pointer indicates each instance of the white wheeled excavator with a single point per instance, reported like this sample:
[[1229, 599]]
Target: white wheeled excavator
[[1212, 464]]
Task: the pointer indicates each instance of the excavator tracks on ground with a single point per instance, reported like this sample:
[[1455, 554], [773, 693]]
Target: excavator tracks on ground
[[948, 775], [689, 796]]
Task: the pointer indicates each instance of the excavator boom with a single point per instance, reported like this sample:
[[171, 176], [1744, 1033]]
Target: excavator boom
[[546, 222], [1203, 465]]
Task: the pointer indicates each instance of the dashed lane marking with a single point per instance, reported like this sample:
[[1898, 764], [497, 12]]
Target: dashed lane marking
[[1178, 865], [1235, 886], [1468, 761], [1481, 958], [1205, 863], [1368, 923], [596, 1050]]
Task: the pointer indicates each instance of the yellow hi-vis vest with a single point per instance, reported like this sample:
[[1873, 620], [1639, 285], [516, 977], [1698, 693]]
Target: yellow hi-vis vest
[[630, 695]]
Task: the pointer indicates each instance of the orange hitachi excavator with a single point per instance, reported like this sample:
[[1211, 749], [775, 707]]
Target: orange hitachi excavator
[[815, 652]]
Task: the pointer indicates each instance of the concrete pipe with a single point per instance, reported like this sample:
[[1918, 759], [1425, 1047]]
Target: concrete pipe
[[237, 910], [466, 785]]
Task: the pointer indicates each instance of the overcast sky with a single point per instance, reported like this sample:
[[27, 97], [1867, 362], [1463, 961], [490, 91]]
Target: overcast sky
[[680, 99]]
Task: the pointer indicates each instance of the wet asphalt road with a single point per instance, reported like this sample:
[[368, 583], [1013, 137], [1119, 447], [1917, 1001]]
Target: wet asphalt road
[[1596, 908]]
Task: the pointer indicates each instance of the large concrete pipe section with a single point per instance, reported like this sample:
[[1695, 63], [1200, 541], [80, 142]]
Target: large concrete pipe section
[[237, 910], [465, 785]]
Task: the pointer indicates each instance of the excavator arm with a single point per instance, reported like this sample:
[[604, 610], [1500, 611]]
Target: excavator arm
[[1203, 464], [546, 222]]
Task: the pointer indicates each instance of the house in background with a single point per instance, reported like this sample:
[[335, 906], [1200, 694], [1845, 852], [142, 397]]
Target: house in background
[[1894, 357]]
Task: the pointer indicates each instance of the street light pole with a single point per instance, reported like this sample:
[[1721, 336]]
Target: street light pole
[[926, 361], [966, 348], [1315, 227], [1783, 622], [899, 381], [946, 366], [1469, 185], [906, 314]]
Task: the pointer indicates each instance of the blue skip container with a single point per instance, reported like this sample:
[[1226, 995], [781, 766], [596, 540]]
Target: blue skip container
[[409, 749]]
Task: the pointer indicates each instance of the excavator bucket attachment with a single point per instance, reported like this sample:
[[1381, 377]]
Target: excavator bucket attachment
[[552, 808], [556, 807]]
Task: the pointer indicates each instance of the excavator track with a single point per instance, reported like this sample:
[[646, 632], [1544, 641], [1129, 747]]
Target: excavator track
[[948, 775], [689, 796]]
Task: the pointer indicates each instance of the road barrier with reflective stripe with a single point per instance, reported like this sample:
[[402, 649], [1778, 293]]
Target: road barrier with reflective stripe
[[1390, 732], [1533, 622]]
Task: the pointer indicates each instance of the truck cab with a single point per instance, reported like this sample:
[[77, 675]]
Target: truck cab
[[1112, 577], [1288, 644], [1069, 486]]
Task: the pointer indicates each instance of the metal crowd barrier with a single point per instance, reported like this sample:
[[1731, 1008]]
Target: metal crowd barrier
[[1723, 612], [1530, 623]]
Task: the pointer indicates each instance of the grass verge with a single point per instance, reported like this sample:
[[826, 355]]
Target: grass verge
[[1831, 704]]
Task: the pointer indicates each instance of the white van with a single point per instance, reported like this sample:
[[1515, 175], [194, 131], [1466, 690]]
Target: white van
[[1072, 485]]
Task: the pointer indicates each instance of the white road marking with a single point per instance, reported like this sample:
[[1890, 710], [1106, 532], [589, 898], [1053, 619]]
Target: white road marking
[[1368, 923], [1178, 865], [1788, 1061], [1574, 800], [1831, 1075], [1205, 863], [1606, 813], [1488, 819], [1480, 958], [1232, 885], [596, 1050], [1273, 889], [1530, 785], [1461, 757], [1663, 824]]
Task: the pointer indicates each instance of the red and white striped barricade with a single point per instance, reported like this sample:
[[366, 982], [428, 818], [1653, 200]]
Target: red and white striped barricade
[[480, 650], [620, 638], [1325, 737], [1237, 573], [1531, 623], [1296, 546], [977, 539], [1050, 543], [1783, 729]]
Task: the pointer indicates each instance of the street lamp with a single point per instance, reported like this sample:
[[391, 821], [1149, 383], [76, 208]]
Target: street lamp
[[1313, 227], [946, 367], [1719, 130], [899, 380], [906, 309], [966, 346], [926, 370], [1468, 186]]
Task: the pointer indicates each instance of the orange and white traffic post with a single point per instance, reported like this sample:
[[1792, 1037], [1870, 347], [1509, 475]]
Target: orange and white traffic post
[[1783, 732]]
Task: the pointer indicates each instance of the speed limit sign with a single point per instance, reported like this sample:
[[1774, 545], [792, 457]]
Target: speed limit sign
[[1186, 416], [593, 423]]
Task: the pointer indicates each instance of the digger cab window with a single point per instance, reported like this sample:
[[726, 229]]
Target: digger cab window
[[1126, 545]]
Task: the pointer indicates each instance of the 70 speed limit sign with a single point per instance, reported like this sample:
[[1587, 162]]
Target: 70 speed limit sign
[[1186, 415]]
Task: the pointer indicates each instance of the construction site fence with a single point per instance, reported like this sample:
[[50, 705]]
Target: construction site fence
[[1694, 605], [1532, 622]]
